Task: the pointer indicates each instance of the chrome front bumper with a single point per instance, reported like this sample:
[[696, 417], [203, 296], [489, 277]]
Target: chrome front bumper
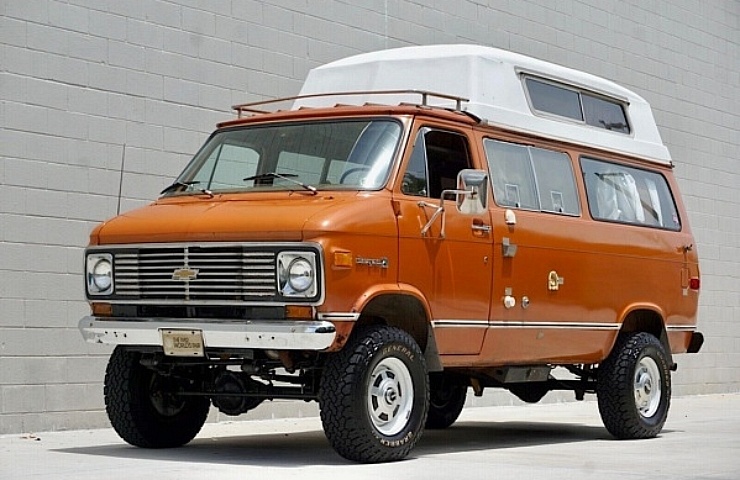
[[255, 334]]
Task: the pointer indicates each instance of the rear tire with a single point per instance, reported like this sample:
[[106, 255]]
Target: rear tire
[[634, 387], [374, 396], [446, 399], [143, 405]]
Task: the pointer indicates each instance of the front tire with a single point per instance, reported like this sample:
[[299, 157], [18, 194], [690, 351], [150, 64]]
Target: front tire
[[374, 396], [143, 405], [634, 387]]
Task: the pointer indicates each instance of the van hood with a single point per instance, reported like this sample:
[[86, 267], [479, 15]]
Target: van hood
[[218, 219]]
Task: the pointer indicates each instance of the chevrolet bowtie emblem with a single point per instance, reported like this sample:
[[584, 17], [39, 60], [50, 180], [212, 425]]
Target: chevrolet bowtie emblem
[[185, 274]]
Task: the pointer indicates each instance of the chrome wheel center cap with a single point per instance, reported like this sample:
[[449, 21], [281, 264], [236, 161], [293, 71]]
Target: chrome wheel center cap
[[644, 388], [390, 396]]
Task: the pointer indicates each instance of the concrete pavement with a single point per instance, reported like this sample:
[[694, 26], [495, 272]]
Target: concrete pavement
[[701, 440]]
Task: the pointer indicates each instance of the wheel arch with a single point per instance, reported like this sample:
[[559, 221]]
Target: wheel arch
[[650, 320], [408, 310]]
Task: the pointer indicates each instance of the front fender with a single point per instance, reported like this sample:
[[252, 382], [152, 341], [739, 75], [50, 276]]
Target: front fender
[[399, 305], [391, 289]]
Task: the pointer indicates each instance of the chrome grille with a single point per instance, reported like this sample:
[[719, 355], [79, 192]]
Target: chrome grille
[[195, 272]]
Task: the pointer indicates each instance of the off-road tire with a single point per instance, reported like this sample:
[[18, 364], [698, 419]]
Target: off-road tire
[[634, 387], [446, 399], [378, 364], [142, 408]]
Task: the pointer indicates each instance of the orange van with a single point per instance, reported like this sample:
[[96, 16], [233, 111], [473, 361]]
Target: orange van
[[417, 223]]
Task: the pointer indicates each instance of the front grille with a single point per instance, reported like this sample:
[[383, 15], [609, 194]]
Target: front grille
[[196, 273]]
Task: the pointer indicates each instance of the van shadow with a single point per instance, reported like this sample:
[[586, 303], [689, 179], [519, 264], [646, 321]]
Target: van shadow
[[299, 449], [473, 436]]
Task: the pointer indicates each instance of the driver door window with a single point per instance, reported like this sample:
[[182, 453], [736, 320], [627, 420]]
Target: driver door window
[[437, 158]]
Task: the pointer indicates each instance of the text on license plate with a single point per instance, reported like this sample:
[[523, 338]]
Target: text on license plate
[[183, 343]]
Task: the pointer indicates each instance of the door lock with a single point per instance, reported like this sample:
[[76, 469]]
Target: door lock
[[554, 281]]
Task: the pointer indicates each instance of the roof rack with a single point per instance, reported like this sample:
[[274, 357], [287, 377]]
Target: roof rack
[[250, 108]]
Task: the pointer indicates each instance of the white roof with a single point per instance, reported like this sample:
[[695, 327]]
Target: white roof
[[491, 79]]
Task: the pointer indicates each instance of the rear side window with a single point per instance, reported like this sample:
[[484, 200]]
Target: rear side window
[[629, 195], [532, 178]]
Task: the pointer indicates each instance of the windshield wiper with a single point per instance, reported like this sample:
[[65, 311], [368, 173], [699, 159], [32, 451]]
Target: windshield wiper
[[178, 184], [283, 176]]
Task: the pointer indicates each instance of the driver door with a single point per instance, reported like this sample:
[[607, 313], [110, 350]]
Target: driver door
[[448, 258]]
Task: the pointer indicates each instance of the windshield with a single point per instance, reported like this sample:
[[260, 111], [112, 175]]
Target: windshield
[[348, 154]]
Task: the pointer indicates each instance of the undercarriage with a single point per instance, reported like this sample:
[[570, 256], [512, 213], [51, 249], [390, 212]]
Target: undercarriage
[[237, 382]]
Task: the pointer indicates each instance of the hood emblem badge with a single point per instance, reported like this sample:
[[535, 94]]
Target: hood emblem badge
[[185, 274]]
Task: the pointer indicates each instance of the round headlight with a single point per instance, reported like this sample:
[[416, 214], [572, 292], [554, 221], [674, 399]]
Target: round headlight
[[300, 274], [101, 274]]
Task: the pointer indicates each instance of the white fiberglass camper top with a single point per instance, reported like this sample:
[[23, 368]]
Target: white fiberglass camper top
[[503, 89]]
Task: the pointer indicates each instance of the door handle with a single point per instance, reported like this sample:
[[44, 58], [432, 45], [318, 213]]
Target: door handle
[[480, 227]]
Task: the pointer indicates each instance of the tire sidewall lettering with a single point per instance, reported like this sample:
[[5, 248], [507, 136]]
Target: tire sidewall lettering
[[394, 443], [398, 351]]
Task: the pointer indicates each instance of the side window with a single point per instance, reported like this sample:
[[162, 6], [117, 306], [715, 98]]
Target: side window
[[556, 184], [532, 178], [512, 175], [602, 113], [629, 195], [576, 104], [550, 98], [437, 158]]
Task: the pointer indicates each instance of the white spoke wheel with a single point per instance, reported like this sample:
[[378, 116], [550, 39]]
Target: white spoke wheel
[[390, 397], [647, 387], [374, 395], [634, 387]]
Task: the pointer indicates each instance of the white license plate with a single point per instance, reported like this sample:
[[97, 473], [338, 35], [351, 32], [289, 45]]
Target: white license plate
[[183, 343]]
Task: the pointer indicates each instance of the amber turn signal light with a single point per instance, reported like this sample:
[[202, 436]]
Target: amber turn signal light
[[343, 259], [299, 311], [101, 309]]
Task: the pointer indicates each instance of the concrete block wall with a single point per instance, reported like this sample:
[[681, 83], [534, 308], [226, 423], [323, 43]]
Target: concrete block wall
[[89, 86]]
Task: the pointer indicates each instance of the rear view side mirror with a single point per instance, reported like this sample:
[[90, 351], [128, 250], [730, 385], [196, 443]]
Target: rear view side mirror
[[472, 198]]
